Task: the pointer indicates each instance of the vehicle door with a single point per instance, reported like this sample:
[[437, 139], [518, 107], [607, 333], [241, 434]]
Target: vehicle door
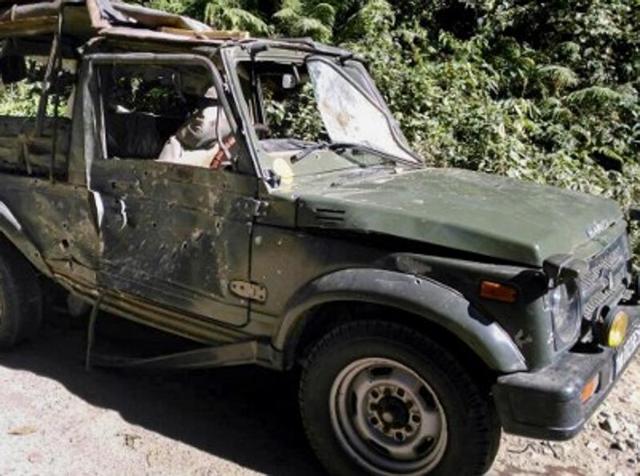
[[174, 235]]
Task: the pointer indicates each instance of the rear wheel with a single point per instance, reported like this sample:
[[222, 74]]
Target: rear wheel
[[380, 398], [20, 298]]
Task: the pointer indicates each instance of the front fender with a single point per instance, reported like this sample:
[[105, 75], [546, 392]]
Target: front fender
[[423, 297], [12, 230]]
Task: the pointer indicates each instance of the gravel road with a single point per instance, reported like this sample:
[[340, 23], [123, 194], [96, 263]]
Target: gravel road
[[56, 418]]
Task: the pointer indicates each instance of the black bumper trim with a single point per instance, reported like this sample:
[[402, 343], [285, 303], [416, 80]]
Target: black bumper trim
[[547, 404]]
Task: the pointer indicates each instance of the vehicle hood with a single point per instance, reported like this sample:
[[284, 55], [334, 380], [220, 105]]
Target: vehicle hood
[[488, 215]]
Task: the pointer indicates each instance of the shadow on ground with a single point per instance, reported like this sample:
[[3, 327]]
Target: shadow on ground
[[246, 415]]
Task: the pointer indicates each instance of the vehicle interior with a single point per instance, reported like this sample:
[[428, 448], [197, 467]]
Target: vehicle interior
[[285, 115], [161, 112]]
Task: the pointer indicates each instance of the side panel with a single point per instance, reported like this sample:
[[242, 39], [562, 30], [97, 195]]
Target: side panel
[[302, 270], [54, 221], [286, 260]]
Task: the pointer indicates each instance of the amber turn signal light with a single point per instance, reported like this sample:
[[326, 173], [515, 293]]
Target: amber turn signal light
[[589, 389], [498, 292]]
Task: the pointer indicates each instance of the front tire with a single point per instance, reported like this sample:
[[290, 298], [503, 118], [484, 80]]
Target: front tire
[[20, 298], [381, 398]]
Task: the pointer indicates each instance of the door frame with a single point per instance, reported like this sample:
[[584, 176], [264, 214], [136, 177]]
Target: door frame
[[95, 148]]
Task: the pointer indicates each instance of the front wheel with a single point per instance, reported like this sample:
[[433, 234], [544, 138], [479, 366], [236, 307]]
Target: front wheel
[[380, 398]]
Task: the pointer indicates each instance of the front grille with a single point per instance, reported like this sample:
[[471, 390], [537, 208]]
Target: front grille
[[605, 278]]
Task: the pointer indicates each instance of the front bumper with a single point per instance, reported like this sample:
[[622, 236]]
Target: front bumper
[[547, 404]]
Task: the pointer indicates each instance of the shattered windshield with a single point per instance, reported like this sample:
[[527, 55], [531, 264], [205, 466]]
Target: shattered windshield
[[350, 115], [319, 116]]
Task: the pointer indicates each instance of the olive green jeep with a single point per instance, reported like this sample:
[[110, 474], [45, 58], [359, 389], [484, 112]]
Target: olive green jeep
[[257, 198]]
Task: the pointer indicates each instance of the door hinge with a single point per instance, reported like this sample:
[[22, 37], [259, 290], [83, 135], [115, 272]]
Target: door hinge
[[255, 207], [251, 291]]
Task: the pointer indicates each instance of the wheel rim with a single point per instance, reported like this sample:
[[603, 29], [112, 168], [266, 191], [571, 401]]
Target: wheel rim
[[388, 418]]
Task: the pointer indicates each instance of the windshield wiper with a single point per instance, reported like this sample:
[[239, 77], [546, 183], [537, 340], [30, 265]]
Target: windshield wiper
[[340, 147]]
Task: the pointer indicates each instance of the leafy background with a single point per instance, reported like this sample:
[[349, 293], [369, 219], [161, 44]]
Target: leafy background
[[541, 91]]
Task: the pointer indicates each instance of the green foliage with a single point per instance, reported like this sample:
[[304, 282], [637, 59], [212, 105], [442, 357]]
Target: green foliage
[[301, 19], [177, 7], [19, 99], [230, 15], [296, 116]]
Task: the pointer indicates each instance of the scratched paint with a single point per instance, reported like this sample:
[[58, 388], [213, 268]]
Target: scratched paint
[[6, 213]]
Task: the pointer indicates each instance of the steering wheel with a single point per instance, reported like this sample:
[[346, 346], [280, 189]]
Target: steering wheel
[[262, 130]]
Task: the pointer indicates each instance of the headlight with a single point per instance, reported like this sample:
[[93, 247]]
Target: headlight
[[564, 304]]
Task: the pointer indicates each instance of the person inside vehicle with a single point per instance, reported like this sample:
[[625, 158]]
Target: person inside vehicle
[[204, 140]]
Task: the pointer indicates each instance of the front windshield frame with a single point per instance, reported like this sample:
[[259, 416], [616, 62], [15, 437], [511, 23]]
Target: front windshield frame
[[233, 56]]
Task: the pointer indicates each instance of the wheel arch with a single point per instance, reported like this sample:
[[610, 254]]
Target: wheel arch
[[417, 302], [13, 234]]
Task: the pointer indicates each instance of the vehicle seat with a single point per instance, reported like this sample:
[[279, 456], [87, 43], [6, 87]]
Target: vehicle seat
[[133, 135], [196, 142]]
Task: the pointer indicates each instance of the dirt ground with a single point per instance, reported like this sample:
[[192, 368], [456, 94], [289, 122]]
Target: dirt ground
[[56, 418]]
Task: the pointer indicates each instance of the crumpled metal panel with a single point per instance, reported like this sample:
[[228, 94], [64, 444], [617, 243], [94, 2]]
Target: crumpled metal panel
[[176, 234]]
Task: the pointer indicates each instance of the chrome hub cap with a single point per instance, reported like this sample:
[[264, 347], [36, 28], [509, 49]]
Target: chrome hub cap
[[388, 418]]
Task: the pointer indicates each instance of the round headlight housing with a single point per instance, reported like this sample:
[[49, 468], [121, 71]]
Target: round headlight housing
[[559, 301], [564, 304]]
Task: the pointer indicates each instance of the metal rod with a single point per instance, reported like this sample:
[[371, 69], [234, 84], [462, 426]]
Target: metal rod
[[57, 71], [46, 86], [91, 331]]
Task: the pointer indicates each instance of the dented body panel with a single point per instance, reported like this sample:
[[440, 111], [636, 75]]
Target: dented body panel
[[180, 233]]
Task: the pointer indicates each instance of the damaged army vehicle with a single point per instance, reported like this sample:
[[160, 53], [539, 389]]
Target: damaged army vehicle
[[257, 197]]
